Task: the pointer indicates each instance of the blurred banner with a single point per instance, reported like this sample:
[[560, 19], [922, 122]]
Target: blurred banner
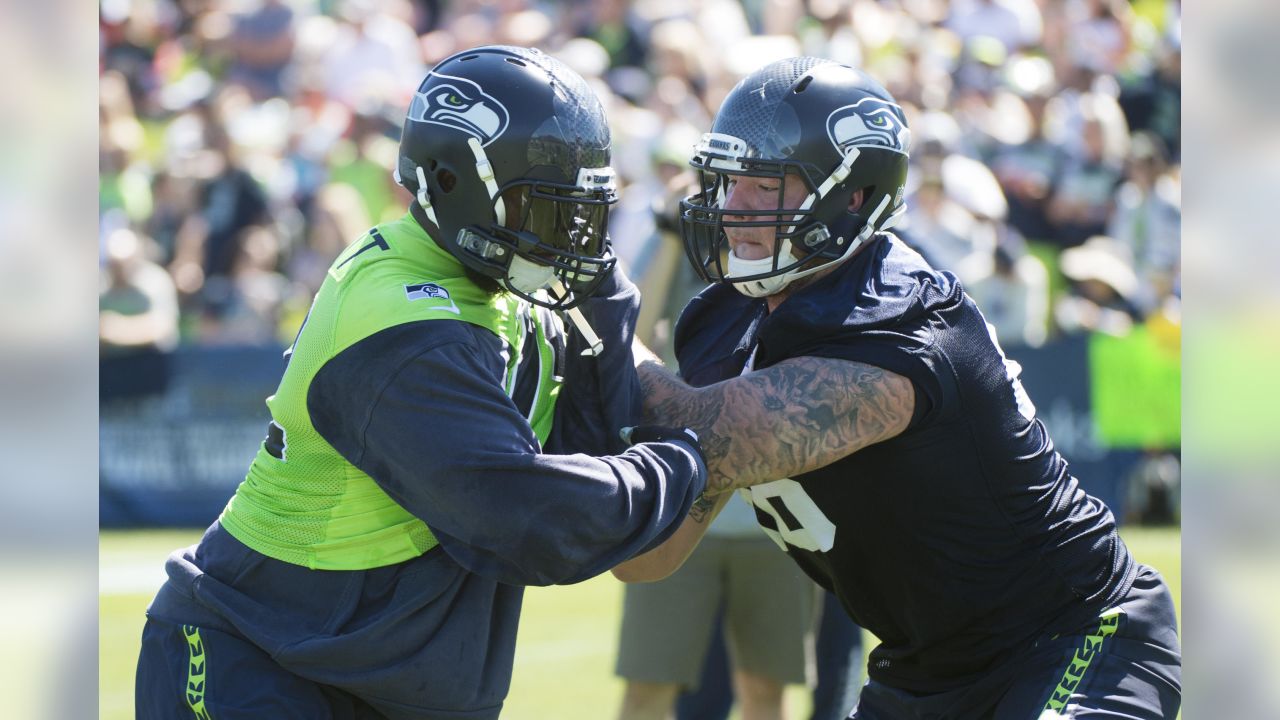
[[1136, 388], [173, 457]]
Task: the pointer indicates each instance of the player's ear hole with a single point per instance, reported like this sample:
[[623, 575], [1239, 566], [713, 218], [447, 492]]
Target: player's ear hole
[[859, 197], [446, 180]]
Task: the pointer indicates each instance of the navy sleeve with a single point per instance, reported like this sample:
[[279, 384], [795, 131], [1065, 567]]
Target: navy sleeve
[[715, 334], [429, 422], [601, 394]]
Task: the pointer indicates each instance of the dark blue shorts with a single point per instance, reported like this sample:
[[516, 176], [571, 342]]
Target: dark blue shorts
[[1126, 664]]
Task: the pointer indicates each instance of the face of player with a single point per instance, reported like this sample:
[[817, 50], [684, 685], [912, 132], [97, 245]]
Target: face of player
[[757, 193]]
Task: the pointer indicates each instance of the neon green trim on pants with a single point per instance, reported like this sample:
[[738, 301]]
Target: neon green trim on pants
[[195, 672], [1074, 674]]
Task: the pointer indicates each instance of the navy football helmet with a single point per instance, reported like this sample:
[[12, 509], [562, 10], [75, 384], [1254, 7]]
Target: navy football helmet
[[831, 125], [506, 151]]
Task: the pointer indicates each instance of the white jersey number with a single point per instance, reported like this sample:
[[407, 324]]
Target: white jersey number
[[799, 521]]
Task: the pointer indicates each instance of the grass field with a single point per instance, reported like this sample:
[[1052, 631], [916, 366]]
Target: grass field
[[565, 652]]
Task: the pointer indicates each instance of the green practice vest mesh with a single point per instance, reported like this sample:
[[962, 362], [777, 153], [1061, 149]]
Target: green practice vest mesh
[[311, 507]]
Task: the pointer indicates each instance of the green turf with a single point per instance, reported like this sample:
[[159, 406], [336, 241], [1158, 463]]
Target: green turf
[[565, 652]]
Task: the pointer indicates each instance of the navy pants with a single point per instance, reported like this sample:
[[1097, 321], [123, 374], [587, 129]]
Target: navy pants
[[1125, 665], [236, 634], [183, 665]]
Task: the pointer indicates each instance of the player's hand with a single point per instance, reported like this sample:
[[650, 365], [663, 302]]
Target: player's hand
[[637, 434]]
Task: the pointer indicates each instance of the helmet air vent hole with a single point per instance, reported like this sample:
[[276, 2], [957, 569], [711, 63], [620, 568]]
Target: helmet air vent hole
[[804, 83], [469, 57], [515, 61]]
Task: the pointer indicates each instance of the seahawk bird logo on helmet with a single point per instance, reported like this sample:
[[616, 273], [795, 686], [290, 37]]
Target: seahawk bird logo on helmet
[[870, 121], [460, 104]]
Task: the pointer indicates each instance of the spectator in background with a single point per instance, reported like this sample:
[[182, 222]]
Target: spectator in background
[[1102, 293], [1011, 288], [130, 36], [668, 626], [262, 43], [1097, 34], [827, 31], [667, 283], [613, 24], [175, 199], [837, 644], [675, 55], [365, 161], [1153, 100], [525, 27], [230, 200], [244, 306], [123, 181], [1027, 168], [1148, 220], [1155, 490], [838, 649], [1015, 24], [736, 586], [1084, 191], [374, 56], [137, 321], [937, 226]]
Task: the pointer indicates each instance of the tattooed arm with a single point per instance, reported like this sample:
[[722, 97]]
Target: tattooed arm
[[794, 417], [788, 419]]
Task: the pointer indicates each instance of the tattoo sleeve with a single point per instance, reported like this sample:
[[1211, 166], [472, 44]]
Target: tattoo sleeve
[[702, 507], [791, 418]]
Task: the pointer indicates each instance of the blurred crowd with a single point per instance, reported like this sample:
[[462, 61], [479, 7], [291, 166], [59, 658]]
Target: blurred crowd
[[243, 143]]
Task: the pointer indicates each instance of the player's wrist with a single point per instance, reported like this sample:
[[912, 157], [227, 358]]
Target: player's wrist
[[681, 436]]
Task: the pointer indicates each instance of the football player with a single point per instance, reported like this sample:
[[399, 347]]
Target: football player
[[438, 439], [859, 399]]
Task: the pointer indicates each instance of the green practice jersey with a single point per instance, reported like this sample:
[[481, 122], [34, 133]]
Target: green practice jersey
[[302, 502]]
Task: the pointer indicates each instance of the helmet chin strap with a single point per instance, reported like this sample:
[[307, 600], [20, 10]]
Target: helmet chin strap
[[528, 277], [423, 198], [594, 344], [775, 284], [764, 286], [485, 170]]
